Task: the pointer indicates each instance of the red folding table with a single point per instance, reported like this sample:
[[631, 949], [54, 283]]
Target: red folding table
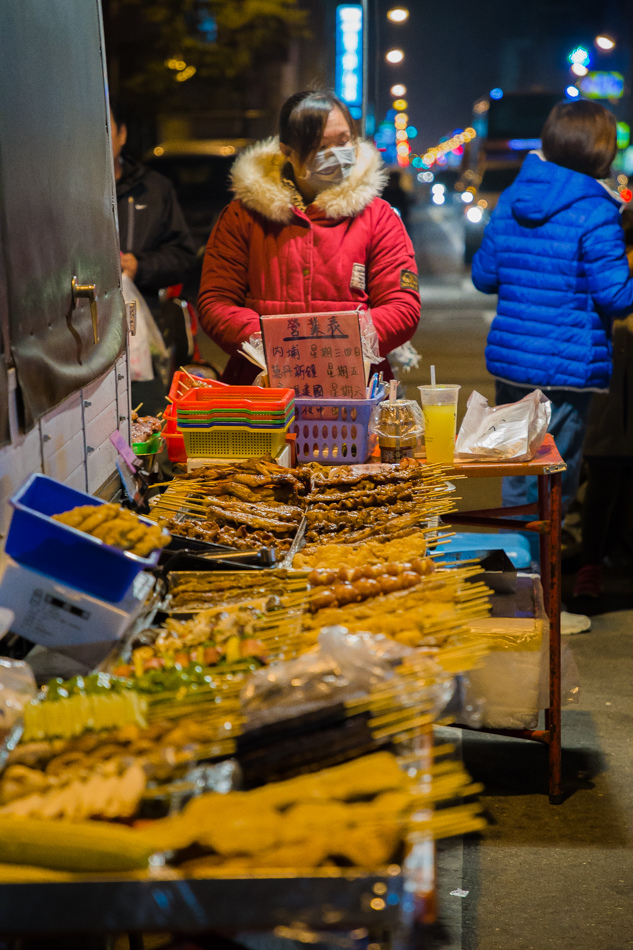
[[547, 466]]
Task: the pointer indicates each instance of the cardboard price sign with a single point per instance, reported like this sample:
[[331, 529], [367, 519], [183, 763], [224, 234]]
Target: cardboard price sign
[[319, 355]]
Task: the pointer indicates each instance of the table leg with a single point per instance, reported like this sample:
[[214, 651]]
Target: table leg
[[554, 601], [544, 514]]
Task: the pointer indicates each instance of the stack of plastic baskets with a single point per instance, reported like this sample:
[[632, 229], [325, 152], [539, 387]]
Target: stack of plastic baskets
[[335, 431], [238, 422], [182, 383]]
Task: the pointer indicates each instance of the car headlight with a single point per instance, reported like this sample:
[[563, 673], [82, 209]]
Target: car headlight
[[475, 214]]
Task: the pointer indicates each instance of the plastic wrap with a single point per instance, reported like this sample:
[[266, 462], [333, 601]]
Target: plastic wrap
[[369, 337], [513, 431], [512, 684], [342, 667], [17, 688], [399, 426]]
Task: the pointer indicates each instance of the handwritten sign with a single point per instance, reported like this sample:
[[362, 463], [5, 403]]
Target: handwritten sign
[[320, 355]]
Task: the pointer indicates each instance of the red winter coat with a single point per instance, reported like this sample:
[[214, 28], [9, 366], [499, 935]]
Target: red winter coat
[[265, 256]]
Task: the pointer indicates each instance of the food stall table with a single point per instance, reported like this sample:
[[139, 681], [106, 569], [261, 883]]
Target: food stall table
[[229, 906], [547, 466]]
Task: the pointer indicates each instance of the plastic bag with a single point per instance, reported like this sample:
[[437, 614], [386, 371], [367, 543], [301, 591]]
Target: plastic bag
[[514, 431], [342, 667], [404, 358], [17, 688], [147, 340], [512, 683], [369, 337]]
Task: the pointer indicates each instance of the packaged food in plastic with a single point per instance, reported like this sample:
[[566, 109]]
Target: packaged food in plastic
[[513, 431], [399, 426], [512, 683], [17, 688]]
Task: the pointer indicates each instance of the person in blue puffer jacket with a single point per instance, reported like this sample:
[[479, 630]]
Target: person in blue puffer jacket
[[554, 253]]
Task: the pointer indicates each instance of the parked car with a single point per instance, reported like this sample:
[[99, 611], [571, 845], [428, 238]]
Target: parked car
[[199, 171]]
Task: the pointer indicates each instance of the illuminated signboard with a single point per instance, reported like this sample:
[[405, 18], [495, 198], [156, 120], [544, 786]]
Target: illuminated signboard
[[601, 85], [349, 56]]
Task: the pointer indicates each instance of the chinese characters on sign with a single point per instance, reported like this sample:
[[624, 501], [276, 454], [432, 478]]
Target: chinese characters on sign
[[320, 355]]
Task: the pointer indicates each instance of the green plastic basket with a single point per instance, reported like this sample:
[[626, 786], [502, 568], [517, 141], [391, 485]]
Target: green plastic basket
[[233, 442]]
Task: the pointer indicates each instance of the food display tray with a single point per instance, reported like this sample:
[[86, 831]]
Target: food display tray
[[73, 557], [327, 900]]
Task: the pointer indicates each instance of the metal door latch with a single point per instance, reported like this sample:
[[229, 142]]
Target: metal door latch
[[89, 291]]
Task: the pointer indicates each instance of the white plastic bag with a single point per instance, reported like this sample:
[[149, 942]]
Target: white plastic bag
[[147, 339], [513, 431]]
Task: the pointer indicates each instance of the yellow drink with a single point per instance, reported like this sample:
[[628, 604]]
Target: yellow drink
[[439, 433]]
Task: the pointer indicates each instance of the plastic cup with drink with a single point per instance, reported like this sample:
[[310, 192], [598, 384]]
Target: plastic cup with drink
[[439, 407]]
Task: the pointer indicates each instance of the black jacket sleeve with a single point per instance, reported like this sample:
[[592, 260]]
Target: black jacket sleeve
[[165, 251]]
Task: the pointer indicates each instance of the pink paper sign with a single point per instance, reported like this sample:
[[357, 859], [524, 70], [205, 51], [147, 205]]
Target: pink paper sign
[[124, 451], [319, 355]]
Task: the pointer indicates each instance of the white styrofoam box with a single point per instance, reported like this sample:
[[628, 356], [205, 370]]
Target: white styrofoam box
[[77, 479], [121, 370], [98, 396], [56, 615], [67, 460], [100, 464], [99, 429], [17, 462], [60, 426]]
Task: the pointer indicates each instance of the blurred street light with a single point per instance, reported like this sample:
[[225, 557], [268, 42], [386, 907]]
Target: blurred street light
[[394, 56], [578, 69], [398, 89], [496, 93], [604, 42], [572, 92], [400, 104], [398, 14], [579, 56]]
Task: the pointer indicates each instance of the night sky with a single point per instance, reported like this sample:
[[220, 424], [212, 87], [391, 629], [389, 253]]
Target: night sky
[[457, 50]]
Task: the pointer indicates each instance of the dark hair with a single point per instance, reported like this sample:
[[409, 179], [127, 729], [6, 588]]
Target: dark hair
[[303, 117], [118, 112], [582, 136]]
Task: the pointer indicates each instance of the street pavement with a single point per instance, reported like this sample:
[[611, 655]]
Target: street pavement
[[541, 877]]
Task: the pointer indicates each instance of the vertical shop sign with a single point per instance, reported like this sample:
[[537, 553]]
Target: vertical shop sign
[[349, 56]]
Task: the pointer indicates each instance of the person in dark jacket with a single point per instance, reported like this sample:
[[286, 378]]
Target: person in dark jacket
[[554, 252], [157, 249], [608, 501]]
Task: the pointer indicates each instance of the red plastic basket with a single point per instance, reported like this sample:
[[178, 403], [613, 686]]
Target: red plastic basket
[[182, 384], [173, 438]]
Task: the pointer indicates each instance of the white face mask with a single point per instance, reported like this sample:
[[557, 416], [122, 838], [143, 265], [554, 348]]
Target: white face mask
[[331, 166]]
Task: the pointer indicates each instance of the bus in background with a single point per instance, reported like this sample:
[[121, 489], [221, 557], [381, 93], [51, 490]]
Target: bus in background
[[508, 126]]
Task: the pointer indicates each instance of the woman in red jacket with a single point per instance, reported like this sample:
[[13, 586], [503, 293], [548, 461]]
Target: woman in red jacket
[[308, 232]]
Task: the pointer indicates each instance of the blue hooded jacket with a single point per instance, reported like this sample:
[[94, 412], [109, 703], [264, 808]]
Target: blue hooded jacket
[[554, 252]]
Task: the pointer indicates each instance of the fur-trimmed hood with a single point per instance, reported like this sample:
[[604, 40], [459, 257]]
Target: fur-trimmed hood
[[257, 182]]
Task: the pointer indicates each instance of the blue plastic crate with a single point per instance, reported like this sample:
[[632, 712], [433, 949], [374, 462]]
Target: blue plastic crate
[[466, 544], [70, 556]]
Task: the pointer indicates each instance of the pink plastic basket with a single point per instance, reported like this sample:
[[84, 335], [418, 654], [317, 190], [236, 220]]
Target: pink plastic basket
[[334, 431]]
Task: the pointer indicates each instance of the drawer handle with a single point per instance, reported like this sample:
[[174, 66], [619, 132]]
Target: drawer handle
[[89, 292]]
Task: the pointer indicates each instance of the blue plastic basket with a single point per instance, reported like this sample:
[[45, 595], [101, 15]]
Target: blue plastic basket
[[334, 431], [70, 556]]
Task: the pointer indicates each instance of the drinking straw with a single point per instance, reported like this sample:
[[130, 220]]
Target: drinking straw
[[393, 389], [432, 376]]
